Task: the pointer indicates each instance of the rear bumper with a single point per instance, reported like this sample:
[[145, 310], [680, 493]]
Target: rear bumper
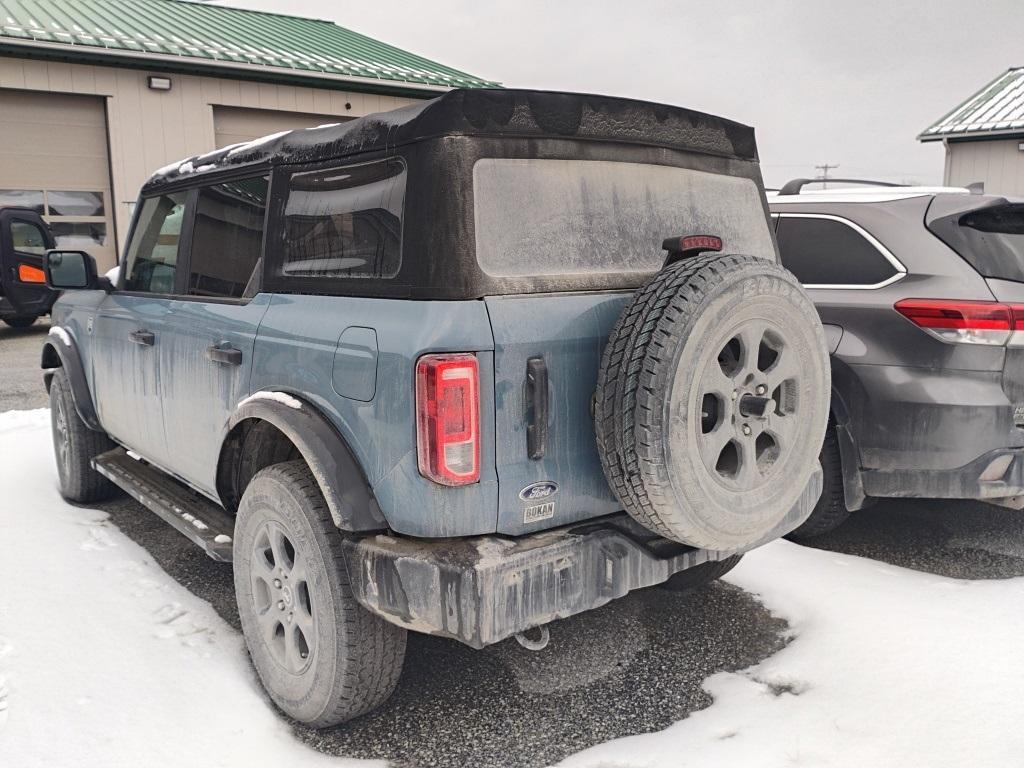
[[484, 589], [994, 476], [907, 419]]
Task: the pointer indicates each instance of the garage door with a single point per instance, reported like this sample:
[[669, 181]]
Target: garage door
[[233, 125], [53, 157]]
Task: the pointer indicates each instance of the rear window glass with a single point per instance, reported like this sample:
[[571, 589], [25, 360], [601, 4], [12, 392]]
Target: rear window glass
[[561, 217], [991, 240], [344, 222]]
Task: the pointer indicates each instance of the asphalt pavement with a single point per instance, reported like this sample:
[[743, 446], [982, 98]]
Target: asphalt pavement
[[633, 666]]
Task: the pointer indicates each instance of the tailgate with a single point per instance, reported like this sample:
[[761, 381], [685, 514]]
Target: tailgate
[[568, 332]]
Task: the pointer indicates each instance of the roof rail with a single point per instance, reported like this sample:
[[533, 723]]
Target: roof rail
[[793, 187]]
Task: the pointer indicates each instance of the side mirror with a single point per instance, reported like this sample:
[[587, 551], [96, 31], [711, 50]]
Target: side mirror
[[70, 270]]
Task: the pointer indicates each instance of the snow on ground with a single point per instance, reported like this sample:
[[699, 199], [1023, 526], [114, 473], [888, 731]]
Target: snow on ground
[[104, 659], [887, 667]]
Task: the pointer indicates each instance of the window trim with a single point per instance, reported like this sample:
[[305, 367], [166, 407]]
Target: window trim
[[901, 270]]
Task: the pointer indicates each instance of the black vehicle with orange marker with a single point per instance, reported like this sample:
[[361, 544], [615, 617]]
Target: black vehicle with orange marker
[[24, 238]]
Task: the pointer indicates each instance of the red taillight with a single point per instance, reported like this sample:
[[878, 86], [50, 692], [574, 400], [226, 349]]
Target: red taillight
[[966, 322], [448, 418]]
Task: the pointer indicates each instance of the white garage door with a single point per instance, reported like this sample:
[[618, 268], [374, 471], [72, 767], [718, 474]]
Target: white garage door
[[233, 125], [53, 157]]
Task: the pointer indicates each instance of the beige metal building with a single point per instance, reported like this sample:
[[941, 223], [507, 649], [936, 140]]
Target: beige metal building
[[984, 137], [91, 105]]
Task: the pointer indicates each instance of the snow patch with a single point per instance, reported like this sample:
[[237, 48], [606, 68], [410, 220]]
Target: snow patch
[[206, 167], [246, 146], [186, 167], [222, 538], [887, 667], [137, 635], [281, 397], [61, 334]]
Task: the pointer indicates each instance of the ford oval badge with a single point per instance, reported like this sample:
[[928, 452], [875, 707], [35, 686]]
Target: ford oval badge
[[541, 490]]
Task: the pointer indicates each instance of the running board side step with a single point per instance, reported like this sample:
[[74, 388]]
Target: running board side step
[[193, 515]]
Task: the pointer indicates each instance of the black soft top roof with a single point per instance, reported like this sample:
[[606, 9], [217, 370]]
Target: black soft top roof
[[488, 113]]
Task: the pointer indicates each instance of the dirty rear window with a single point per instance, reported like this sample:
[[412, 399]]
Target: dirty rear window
[[563, 217]]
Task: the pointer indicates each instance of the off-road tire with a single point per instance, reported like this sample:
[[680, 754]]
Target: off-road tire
[[648, 408], [830, 511], [354, 658], [20, 322], [701, 575], [75, 446]]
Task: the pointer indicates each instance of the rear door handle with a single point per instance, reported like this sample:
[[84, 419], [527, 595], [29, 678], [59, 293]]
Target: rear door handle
[[226, 355], [536, 408], [145, 338]]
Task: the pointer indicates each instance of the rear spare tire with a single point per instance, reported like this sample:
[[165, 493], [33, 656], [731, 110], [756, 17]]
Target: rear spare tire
[[712, 400]]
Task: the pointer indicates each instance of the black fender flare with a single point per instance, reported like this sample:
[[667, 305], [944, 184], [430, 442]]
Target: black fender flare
[[849, 456], [60, 351], [334, 466]]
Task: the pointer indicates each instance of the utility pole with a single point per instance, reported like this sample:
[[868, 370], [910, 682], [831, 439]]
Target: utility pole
[[824, 173]]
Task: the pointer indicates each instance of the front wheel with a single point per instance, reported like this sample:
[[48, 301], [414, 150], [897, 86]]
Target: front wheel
[[75, 446], [321, 656]]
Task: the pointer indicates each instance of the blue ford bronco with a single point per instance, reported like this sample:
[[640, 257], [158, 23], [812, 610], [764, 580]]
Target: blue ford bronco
[[463, 368]]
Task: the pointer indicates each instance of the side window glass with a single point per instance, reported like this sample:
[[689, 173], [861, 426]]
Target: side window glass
[[829, 252], [151, 261], [344, 222], [227, 239], [27, 237]]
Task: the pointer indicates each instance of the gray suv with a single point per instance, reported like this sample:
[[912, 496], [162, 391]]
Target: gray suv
[[921, 291], [463, 368]]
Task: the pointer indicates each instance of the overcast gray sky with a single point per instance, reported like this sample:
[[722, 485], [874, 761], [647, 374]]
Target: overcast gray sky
[[827, 81]]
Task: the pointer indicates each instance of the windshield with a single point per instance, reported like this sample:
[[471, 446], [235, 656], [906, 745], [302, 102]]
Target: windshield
[[559, 217]]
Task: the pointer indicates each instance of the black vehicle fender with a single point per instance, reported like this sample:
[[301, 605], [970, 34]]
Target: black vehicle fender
[[60, 351], [849, 455], [331, 461]]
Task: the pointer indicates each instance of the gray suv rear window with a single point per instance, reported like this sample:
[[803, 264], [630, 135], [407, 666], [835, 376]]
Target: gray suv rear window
[[560, 217], [990, 239]]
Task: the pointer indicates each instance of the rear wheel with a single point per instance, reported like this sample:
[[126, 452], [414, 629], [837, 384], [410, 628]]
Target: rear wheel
[[712, 400], [19, 322], [75, 446], [701, 575], [830, 511], [321, 656]]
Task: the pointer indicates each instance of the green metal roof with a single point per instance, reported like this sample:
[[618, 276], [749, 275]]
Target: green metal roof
[[173, 31], [997, 109]]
